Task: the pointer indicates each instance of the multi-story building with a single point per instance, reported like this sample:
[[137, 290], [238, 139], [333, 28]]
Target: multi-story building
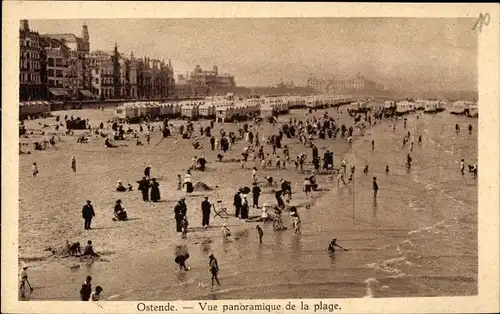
[[62, 67], [128, 77], [210, 79], [76, 77], [56, 54], [358, 84], [30, 70], [100, 65], [155, 79], [200, 82]]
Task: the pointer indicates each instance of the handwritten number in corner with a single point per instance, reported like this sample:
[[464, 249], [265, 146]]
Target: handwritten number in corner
[[483, 19]]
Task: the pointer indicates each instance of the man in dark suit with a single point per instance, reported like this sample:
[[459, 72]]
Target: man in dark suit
[[87, 214], [237, 204], [205, 209]]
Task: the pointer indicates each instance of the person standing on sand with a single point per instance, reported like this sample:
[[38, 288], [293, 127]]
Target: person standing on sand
[[179, 216], [147, 172], [375, 187], [73, 163], [86, 290], [255, 194], [244, 207], [35, 169], [205, 209], [144, 188], [155, 191], [261, 233], [237, 203], [87, 214], [179, 182], [214, 269]]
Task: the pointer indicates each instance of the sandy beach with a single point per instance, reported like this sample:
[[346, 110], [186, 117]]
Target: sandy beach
[[142, 248]]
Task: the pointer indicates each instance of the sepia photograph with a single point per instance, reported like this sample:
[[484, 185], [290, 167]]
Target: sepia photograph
[[248, 158]]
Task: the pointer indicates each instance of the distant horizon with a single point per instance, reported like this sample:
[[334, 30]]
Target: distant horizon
[[413, 54]]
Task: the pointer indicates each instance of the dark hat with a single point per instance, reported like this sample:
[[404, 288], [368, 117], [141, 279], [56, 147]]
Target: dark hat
[[89, 201]]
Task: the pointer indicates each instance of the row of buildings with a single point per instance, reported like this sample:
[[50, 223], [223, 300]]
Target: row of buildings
[[358, 84], [62, 67]]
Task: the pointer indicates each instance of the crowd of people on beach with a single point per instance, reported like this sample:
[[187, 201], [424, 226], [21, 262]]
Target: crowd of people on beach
[[270, 153]]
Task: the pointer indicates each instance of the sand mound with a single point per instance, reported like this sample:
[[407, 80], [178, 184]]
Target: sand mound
[[200, 186]]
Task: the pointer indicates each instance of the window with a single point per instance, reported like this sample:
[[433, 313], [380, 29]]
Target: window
[[51, 62]]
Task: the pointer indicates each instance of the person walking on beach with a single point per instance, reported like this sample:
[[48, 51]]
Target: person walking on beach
[[86, 289], [375, 187], [205, 209], [214, 269], [24, 280], [73, 163], [373, 144], [462, 166], [87, 214], [254, 175], [261, 233], [35, 169], [470, 128]]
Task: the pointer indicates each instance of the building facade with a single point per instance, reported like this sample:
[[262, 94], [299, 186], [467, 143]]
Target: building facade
[[67, 77], [30, 67], [155, 79], [63, 67], [358, 84], [200, 82]]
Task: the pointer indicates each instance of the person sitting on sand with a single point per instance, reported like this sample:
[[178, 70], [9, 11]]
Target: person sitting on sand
[[97, 294], [89, 250], [120, 187], [120, 213], [130, 187]]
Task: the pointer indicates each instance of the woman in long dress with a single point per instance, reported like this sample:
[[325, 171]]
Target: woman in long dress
[[155, 190]]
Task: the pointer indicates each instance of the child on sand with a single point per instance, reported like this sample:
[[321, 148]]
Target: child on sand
[[225, 232], [35, 169], [184, 227], [261, 233]]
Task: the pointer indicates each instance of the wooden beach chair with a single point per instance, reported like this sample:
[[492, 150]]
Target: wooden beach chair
[[219, 210]]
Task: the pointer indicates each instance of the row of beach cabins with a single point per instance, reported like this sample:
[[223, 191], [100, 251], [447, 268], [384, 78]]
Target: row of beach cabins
[[229, 107], [224, 108], [400, 108]]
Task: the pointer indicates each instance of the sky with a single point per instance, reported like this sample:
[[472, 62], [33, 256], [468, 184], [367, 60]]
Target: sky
[[402, 53]]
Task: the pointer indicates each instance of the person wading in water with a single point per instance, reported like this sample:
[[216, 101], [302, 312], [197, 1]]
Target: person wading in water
[[214, 269]]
